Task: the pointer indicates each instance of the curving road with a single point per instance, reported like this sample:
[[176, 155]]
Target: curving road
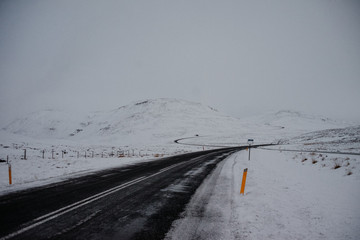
[[134, 202]]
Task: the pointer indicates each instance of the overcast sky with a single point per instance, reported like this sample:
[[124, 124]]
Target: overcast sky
[[241, 57]]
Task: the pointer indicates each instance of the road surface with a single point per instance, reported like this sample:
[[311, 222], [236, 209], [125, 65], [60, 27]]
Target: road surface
[[134, 202]]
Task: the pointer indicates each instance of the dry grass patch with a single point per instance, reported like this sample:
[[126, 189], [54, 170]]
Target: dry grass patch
[[336, 166]]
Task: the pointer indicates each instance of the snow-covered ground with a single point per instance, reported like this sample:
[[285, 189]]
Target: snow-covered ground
[[284, 199], [304, 193], [60, 162], [338, 139]]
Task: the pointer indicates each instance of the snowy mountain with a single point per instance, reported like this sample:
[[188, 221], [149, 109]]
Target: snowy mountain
[[145, 121], [162, 121]]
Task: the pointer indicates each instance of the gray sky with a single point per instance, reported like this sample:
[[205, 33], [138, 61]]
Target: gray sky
[[241, 57]]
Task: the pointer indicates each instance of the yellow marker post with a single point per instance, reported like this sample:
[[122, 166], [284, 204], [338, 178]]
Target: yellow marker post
[[10, 174], [243, 181]]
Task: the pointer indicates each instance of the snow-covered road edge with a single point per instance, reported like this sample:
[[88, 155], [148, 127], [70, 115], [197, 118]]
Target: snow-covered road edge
[[39, 172], [36, 171], [281, 201]]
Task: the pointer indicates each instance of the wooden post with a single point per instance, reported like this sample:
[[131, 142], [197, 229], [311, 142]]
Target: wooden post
[[43, 154], [52, 153], [243, 182], [24, 154]]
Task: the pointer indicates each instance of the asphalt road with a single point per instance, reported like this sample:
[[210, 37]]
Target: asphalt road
[[134, 202]]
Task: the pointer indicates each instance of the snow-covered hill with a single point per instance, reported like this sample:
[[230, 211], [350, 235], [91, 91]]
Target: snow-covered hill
[[46, 124], [294, 123], [159, 120], [272, 127], [338, 139]]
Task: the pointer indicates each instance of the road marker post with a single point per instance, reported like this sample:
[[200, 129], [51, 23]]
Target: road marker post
[[243, 182], [10, 180]]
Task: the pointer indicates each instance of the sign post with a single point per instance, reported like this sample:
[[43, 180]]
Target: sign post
[[242, 190], [250, 142]]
